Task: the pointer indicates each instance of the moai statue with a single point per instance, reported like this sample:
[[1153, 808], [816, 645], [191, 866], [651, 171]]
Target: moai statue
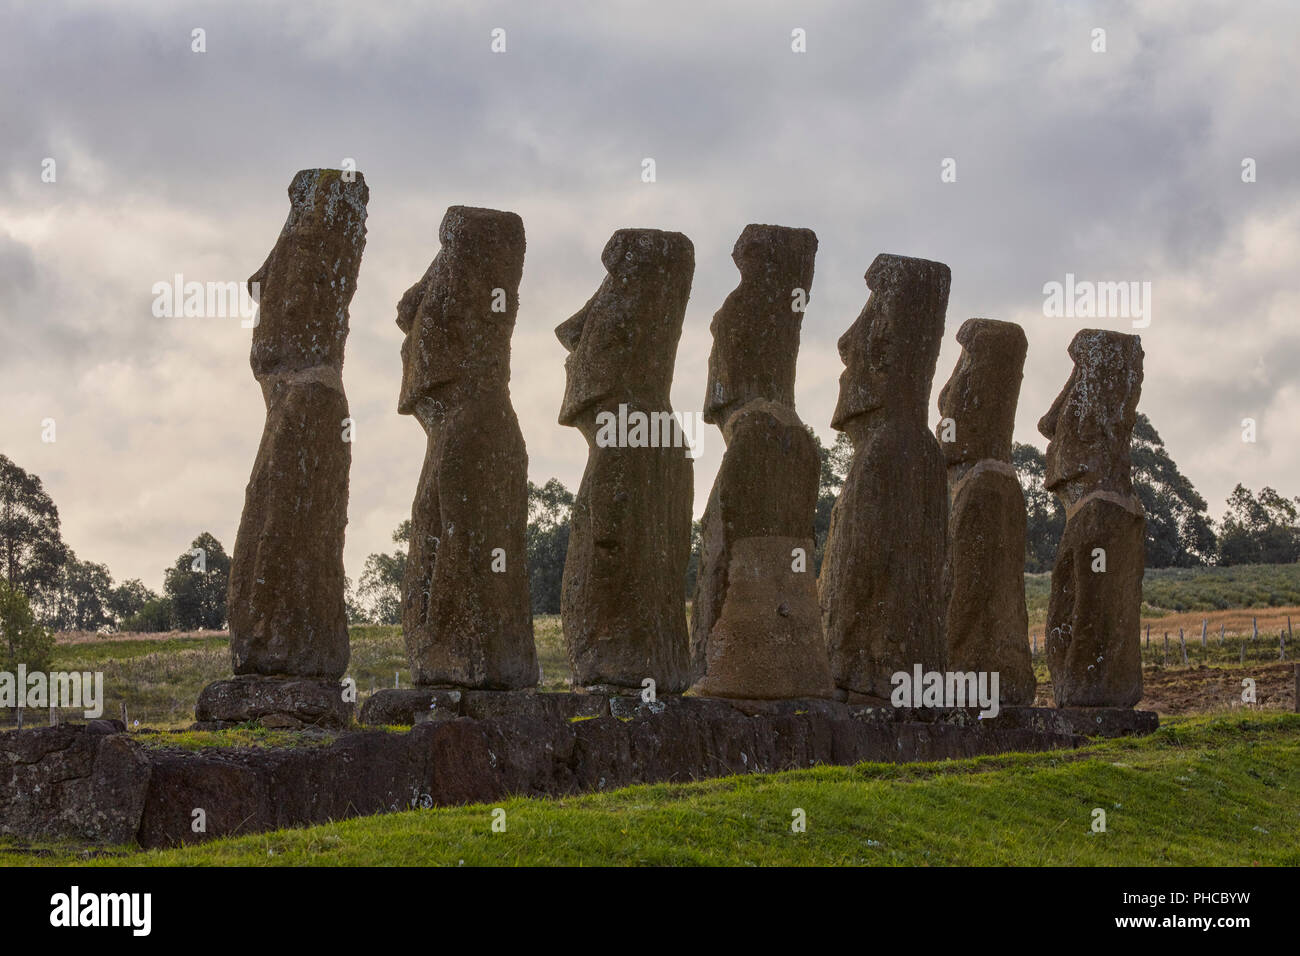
[[987, 622], [622, 604], [466, 615], [1094, 612], [755, 624], [881, 584], [286, 610]]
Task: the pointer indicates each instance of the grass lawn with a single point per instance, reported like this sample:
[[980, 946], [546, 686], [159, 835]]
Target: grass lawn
[[1208, 790]]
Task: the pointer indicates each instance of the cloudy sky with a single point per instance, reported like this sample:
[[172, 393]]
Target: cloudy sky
[[1122, 165]]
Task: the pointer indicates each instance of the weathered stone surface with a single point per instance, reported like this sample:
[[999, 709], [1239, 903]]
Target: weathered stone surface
[[466, 616], [404, 706], [629, 537], [68, 783], [275, 701], [286, 609], [755, 623], [767, 643], [1094, 612], [881, 583], [986, 620]]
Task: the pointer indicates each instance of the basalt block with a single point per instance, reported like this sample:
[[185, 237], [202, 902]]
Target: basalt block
[[629, 535], [881, 582], [755, 623], [466, 614], [275, 702], [986, 620], [286, 609], [1094, 612]]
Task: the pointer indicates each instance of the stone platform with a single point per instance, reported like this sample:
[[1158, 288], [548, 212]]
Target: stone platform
[[98, 785]]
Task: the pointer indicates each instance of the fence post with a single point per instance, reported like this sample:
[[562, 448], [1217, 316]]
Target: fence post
[[1148, 635], [1182, 642], [1205, 623], [1243, 650], [1221, 626], [1166, 658]]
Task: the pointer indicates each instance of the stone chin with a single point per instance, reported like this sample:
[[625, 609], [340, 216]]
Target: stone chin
[[1058, 475]]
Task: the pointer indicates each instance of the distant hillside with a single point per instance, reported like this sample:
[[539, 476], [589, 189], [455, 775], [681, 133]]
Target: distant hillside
[[1195, 589]]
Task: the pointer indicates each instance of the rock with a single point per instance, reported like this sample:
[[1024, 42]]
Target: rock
[[759, 607], [69, 782], [1094, 612], [767, 642], [881, 583], [406, 706], [467, 617], [986, 620], [275, 702], [629, 540], [286, 609]]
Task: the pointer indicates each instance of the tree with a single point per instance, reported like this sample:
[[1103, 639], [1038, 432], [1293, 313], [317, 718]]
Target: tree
[[1179, 532], [1044, 517], [22, 639], [128, 598], [197, 583], [380, 589], [153, 618], [356, 611], [835, 462], [1259, 529], [32, 551], [549, 508], [80, 601]]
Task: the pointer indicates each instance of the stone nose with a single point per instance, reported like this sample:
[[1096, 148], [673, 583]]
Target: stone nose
[[569, 332]]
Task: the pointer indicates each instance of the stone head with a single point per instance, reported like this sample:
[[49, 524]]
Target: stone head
[[304, 286], [756, 332], [980, 397], [459, 317], [1090, 425], [890, 351], [622, 344]]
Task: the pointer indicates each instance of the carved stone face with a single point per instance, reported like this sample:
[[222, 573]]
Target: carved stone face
[[1090, 425], [459, 317], [622, 344], [890, 351], [756, 332], [305, 284], [980, 397]]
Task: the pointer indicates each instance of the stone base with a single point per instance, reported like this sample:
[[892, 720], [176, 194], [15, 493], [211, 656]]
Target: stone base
[[97, 784], [276, 702], [407, 707]]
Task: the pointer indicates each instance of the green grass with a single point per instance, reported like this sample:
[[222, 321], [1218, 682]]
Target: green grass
[[159, 680], [1210, 589], [1174, 590], [1221, 790]]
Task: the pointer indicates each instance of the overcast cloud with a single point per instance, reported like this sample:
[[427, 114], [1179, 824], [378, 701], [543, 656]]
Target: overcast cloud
[[1115, 166]]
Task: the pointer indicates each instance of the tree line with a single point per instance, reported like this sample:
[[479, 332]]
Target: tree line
[[45, 587], [64, 593], [1255, 529]]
